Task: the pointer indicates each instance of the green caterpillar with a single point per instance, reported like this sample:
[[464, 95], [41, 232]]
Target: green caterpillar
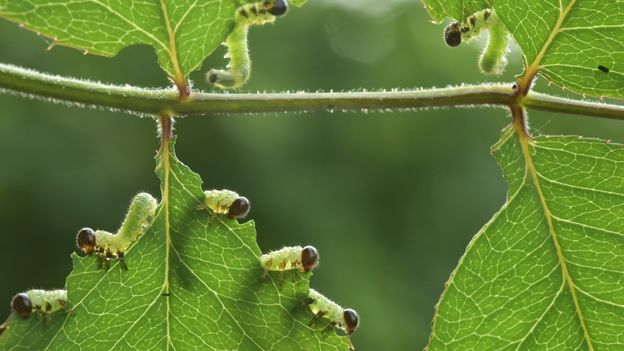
[[45, 302], [494, 57], [304, 259], [343, 318], [227, 202], [239, 68], [110, 246]]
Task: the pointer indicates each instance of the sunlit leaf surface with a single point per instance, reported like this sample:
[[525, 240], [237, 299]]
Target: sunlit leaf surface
[[182, 32], [546, 272], [565, 40], [219, 295]]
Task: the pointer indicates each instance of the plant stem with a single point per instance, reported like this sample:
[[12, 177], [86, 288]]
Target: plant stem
[[551, 103], [167, 101]]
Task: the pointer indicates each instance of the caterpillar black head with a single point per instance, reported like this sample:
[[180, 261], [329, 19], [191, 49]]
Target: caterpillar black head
[[351, 320], [212, 77], [239, 208], [279, 7], [309, 258], [85, 240], [453, 34], [22, 305]]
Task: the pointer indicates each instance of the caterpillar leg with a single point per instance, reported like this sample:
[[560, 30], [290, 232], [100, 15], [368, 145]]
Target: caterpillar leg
[[42, 314], [37, 311], [66, 307], [47, 307], [317, 316], [100, 262], [122, 261], [107, 258], [46, 318], [329, 328], [314, 319], [309, 301]]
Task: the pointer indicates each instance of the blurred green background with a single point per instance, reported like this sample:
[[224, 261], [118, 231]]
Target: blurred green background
[[389, 199]]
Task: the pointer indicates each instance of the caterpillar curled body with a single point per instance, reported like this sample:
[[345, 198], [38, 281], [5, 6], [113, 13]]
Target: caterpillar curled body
[[110, 246], [344, 318], [304, 259], [42, 301], [239, 69], [494, 57], [227, 202]]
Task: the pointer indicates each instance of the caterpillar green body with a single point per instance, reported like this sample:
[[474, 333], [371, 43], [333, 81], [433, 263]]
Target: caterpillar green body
[[304, 259], [494, 57], [227, 202], [343, 318], [239, 69], [110, 246], [42, 301]]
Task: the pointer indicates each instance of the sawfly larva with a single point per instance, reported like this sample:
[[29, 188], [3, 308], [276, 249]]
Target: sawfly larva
[[344, 318], [45, 302], [227, 202], [110, 246], [494, 57], [239, 69], [304, 259]]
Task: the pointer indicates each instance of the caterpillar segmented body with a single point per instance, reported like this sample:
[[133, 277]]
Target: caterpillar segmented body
[[239, 68], [110, 246], [344, 318], [494, 57], [227, 202], [304, 259], [36, 300]]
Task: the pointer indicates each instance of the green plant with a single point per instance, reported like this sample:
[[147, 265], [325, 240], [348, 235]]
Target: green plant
[[544, 271]]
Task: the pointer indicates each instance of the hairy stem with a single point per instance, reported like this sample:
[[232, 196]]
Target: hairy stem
[[167, 101]]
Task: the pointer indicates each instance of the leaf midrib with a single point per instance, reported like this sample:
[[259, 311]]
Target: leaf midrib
[[532, 171], [166, 154], [173, 51], [535, 65]]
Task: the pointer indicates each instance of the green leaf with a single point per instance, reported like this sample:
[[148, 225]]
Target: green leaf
[[546, 272], [220, 297], [182, 32], [563, 40]]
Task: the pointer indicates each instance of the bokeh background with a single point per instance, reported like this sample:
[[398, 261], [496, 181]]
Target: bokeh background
[[390, 199]]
